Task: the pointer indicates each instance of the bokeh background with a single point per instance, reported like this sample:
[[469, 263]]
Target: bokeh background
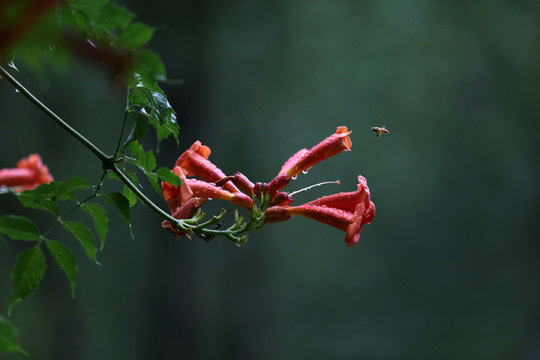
[[449, 268]]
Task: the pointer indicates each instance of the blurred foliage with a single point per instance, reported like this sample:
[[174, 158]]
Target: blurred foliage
[[449, 267]]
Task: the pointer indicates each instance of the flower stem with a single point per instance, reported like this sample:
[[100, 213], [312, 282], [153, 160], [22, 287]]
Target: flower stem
[[109, 163], [141, 195], [52, 115]]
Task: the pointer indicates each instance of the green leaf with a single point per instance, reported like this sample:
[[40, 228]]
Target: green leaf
[[100, 219], [149, 161], [95, 4], [162, 130], [41, 197], [76, 19], [130, 195], [113, 176], [120, 202], [65, 190], [85, 237], [148, 64], [135, 35], [132, 175], [19, 228], [138, 130], [153, 179], [8, 338], [65, 261], [137, 97], [145, 161], [157, 110], [168, 176], [27, 274], [112, 16], [82, 16], [137, 152]]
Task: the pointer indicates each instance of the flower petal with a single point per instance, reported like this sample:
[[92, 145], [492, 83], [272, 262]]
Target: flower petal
[[176, 195], [278, 183], [344, 201], [331, 216], [362, 216], [243, 183], [292, 161], [277, 214], [209, 191]]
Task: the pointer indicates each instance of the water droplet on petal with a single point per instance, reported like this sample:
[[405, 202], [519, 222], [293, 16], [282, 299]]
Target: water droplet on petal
[[295, 177], [305, 171]]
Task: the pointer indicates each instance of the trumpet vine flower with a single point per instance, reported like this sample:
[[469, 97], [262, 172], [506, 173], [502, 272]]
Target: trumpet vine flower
[[348, 211], [194, 162], [29, 173], [303, 160]]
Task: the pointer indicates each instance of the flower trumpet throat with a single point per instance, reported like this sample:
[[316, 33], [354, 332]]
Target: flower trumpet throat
[[347, 211]]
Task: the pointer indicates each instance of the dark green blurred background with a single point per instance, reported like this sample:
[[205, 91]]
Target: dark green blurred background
[[449, 268]]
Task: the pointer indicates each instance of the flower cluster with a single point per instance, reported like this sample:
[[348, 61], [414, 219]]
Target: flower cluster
[[348, 211], [29, 173]]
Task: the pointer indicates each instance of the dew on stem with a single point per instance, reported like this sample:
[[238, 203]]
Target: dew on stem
[[11, 64]]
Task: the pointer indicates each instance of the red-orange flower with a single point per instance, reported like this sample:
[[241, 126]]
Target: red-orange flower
[[176, 195], [194, 162], [305, 159], [206, 190], [185, 211], [346, 211], [30, 172]]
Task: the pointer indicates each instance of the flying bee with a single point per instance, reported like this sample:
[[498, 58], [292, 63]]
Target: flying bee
[[379, 130]]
